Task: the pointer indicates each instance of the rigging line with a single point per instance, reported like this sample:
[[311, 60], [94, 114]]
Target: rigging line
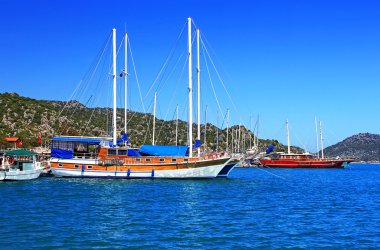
[[281, 177], [89, 120], [137, 81], [94, 71], [166, 61], [146, 116], [212, 85], [303, 145], [176, 86], [135, 71], [92, 75], [81, 81], [220, 79], [160, 85], [335, 136]]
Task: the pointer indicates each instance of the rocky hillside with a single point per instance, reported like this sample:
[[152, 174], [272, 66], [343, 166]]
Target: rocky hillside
[[363, 147], [25, 117]]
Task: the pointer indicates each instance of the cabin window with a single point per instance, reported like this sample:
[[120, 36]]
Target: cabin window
[[174, 160], [122, 152], [112, 152], [89, 167], [147, 160], [60, 165], [76, 166], [162, 159], [138, 159], [186, 159]]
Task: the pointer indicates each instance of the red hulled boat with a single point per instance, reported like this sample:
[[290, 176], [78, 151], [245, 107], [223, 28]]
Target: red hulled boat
[[282, 160]]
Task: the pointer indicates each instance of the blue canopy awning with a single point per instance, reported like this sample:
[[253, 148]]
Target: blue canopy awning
[[160, 150]]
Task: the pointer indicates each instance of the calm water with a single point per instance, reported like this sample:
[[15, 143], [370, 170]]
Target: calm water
[[255, 208]]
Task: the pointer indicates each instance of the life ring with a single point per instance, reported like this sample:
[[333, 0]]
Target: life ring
[[10, 160]]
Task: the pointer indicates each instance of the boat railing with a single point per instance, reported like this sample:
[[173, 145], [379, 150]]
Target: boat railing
[[87, 155]]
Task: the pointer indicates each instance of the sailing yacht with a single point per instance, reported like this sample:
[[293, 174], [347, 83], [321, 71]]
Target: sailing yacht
[[305, 160], [108, 157]]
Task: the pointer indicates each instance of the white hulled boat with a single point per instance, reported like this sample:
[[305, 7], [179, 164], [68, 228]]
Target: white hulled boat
[[19, 165], [95, 157]]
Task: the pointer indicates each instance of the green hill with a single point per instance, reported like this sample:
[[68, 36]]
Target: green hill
[[26, 117]]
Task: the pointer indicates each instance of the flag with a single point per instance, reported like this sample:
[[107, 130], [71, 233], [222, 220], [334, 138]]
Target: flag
[[39, 139], [19, 143]]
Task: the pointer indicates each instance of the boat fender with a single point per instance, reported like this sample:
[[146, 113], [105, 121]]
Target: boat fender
[[152, 172], [129, 172], [82, 168]]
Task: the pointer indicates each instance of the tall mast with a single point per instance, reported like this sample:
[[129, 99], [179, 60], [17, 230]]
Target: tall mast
[[227, 121], [320, 126], [154, 117], [176, 126], [114, 83], [217, 131], [199, 91], [287, 135], [190, 89], [316, 134], [205, 142], [257, 132], [232, 140], [125, 79], [236, 141], [239, 138], [250, 134]]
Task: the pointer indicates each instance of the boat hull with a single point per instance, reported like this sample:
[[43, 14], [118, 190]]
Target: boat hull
[[304, 164], [201, 169], [228, 167], [20, 175]]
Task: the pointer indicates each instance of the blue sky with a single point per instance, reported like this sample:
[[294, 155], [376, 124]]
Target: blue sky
[[279, 59]]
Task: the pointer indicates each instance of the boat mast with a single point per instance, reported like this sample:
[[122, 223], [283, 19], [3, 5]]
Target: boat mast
[[250, 134], [176, 126], [227, 121], [205, 144], [125, 79], [232, 140], [316, 134], [287, 135], [190, 135], [199, 91], [217, 131], [239, 138], [257, 132], [154, 117], [114, 83], [321, 136]]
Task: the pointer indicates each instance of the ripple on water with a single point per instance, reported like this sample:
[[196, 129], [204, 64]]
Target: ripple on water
[[269, 208]]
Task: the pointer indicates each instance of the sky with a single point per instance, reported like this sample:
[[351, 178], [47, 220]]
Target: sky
[[279, 60]]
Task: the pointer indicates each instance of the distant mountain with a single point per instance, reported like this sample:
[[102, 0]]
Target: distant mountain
[[363, 147]]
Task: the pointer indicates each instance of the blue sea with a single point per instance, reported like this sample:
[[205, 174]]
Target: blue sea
[[254, 208]]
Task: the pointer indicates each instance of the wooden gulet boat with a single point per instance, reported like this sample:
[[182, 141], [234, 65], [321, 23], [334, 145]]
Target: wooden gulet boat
[[124, 162], [305, 160], [95, 157]]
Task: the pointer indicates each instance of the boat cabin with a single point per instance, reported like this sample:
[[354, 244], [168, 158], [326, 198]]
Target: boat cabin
[[18, 159]]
